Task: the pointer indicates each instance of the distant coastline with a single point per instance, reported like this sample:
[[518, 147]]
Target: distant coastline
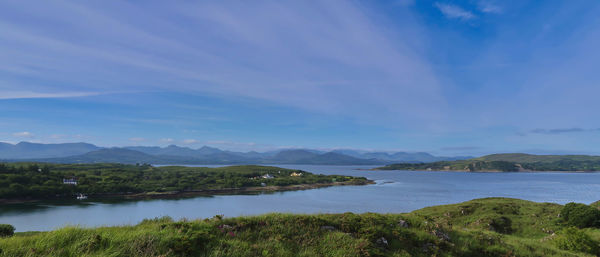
[[508, 163]]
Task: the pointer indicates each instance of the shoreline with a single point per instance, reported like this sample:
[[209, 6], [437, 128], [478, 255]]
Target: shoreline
[[204, 192]]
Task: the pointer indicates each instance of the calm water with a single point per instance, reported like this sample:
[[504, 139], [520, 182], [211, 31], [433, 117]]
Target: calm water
[[395, 191]]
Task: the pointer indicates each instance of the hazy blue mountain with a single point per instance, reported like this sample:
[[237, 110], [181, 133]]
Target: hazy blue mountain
[[26, 150], [172, 154], [399, 156], [292, 156], [339, 159]]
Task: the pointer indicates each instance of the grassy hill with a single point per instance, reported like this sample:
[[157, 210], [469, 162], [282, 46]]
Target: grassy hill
[[509, 162], [532, 158], [24, 181], [483, 227]]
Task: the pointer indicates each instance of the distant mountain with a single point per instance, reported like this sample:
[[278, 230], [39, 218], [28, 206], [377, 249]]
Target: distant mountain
[[26, 150], [118, 155], [399, 156], [339, 159], [293, 156], [175, 150], [172, 154]]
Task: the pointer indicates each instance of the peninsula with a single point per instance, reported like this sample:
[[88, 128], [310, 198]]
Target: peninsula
[[512, 162], [35, 181]]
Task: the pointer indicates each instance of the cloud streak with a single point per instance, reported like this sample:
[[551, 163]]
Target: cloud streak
[[454, 11], [336, 55], [561, 131], [24, 134], [29, 95]]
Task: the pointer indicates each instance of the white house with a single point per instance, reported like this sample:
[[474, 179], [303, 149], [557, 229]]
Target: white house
[[267, 176]]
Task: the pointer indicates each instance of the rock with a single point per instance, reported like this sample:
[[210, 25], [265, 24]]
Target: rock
[[403, 223], [328, 228], [428, 247], [441, 235], [382, 241]]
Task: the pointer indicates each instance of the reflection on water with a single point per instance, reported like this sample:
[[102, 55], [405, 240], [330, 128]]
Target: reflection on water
[[395, 191]]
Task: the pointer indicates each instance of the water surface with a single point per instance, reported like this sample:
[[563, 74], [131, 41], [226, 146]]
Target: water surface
[[395, 192]]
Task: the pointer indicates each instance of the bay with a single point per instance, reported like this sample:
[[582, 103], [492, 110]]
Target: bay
[[394, 192]]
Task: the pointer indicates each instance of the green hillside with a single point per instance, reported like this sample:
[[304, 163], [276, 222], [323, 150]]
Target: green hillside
[[508, 162], [532, 158], [483, 227], [25, 181]]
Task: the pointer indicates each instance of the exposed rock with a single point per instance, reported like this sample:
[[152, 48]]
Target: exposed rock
[[382, 241], [328, 228], [403, 223], [441, 235], [428, 247]]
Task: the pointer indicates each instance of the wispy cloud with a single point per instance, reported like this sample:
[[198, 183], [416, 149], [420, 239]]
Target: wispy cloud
[[190, 141], [561, 130], [489, 7], [357, 60], [454, 11], [166, 140], [28, 94], [23, 134]]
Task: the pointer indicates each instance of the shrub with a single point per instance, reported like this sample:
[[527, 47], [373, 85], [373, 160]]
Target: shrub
[[573, 239], [580, 215], [501, 225], [6, 230]]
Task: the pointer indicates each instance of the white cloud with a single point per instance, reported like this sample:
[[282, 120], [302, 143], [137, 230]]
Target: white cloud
[[190, 141], [489, 7], [29, 94], [24, 134], [166, 140], [454, 11], [321, 56]]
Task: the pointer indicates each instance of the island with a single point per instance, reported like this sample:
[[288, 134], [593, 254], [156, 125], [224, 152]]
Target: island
[[34, 181], [513, 162], [481, 227]]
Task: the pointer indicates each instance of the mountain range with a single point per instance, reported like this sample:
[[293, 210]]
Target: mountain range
[[172, 154]]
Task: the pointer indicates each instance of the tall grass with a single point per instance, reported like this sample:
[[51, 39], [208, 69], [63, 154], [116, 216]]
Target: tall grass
[[521, 228]]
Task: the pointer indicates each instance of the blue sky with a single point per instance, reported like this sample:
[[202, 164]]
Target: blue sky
[[447, 77]]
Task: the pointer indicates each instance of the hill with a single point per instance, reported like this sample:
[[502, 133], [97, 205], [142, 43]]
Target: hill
[[30, 181], [482, 227], [509, 162], [532, 158], [26, 150]]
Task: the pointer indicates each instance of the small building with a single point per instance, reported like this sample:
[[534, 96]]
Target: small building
[[267, 176], [69, 181], [296, 174], [263, 184]]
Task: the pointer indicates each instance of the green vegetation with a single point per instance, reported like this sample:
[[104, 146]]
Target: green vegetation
[[482, 227], [509, 162], [6, 230], [577, 240], [580, 215], [36, 181], [462, 165]]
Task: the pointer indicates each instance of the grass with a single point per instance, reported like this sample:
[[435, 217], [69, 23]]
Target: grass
[[482, 227]]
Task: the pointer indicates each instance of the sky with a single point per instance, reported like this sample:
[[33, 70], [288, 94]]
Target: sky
[[446, 77]]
